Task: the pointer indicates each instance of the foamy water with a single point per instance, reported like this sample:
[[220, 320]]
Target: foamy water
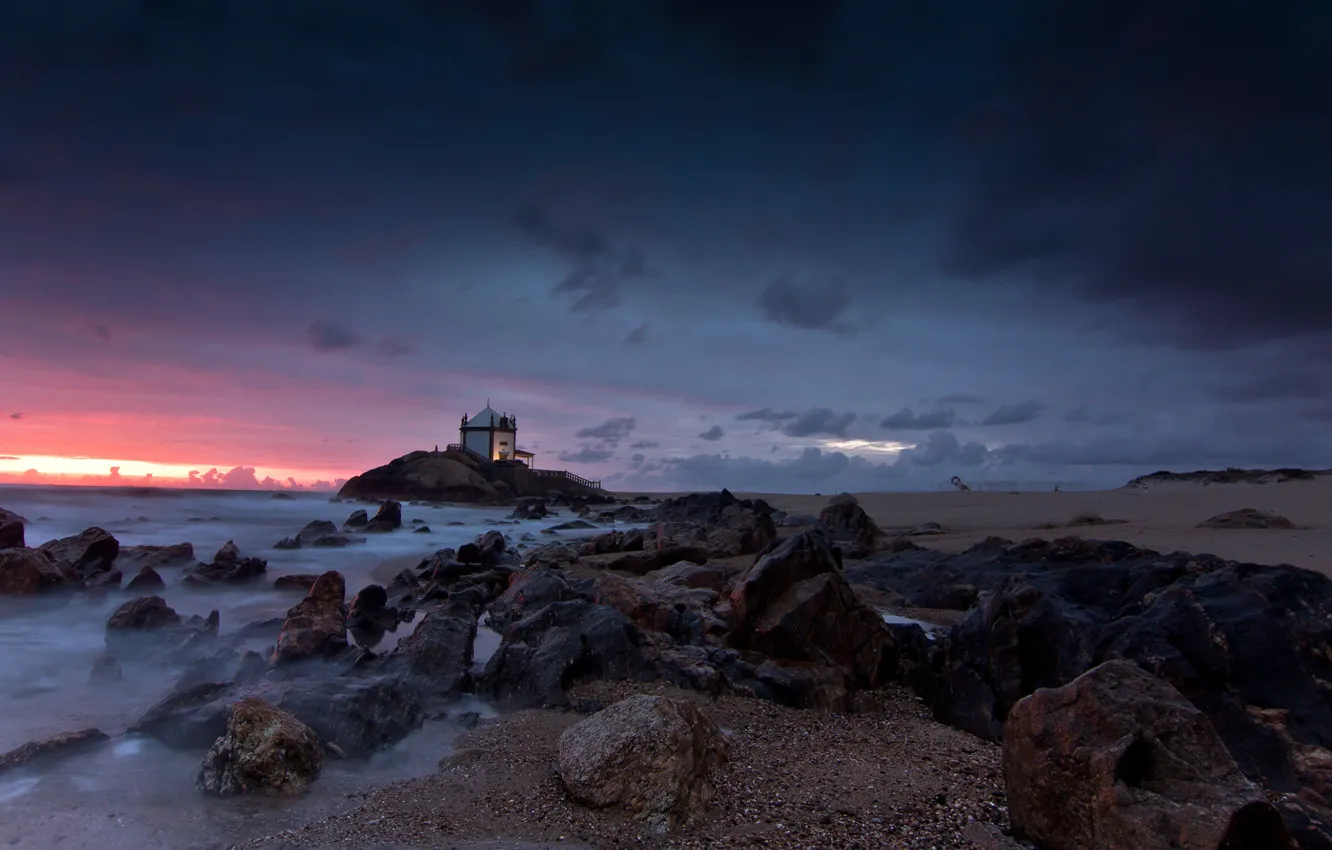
[[135, 792]]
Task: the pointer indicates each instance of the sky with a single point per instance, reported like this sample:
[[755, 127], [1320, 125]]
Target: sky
[[770, 245]]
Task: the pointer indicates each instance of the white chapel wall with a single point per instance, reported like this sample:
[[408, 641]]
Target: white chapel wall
[[477, 441]]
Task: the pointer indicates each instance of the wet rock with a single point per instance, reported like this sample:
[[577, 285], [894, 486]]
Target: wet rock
[[795, 604], [287, 543], [741, 530], [87, 553], [146, 579], [359, 715], [369, 616], [65, 743], [648, 560], [337, 541], [157, 557], [11, 530], [683, 613], [314, 530], [494, 550], [296, 581], [573, 525], [25, 572], [439, 649], [315, 627], [530, 508], [704, 509], [227, 567], [265, 750], [653, 756], [424, 529], [359, 519], [688, 574], [531, 590], [387, 518], [1118, 759], [149, 627], [1248, 518]]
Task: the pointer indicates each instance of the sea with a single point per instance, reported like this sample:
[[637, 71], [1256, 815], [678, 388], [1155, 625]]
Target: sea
[[134, 792]]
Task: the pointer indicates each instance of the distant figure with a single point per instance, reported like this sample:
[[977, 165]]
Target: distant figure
[[960, 485], [1056, 489], [436, 448]]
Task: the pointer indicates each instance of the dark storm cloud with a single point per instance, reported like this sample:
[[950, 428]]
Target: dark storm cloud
[[713, 434], [645, 444], [16, 416], [1015, 414], [908, 420], [1171, 155], [1280, 383], [325, 335], [942, 447], [612, 429], [767, 414], [637, 336], [807, 306], [588, 454], [819, 421]]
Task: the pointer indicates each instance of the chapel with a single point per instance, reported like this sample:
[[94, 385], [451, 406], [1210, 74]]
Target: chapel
[[493, 436]]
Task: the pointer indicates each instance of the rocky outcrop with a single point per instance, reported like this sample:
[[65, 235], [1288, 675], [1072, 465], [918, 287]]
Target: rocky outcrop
[[653, 756], [26, 572], [265, 750], [370, 616], [315, 627], [387, 518], [147, 579], [86, 554], [149, 627], [438, 652], [531, 507], [1119, 760], [1248, 518], [425, 476], [156, 557]]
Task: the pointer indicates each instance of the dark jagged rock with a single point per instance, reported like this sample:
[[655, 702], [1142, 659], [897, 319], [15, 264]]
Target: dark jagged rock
[[149, 627], [287, 543], [705, 508], [387, 518], [494, 550], [358, 520], [227, 567], [296, 581], [314, 530], [25, 572], [846, 523], [358, 715], [1249, 645], [642, 563], [741, 530], [531, 590], [469, 553], [1119, 760], [438, 652], [87, 553], [315, 627], [337, 541], [370, 616], [531, 507], [11, 530]]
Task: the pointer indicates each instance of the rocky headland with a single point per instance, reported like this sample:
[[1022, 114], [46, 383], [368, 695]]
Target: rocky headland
[[707, 660]]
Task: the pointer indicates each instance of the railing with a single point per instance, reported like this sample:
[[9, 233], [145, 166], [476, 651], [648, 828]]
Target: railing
[[566, 475], [458, 447]]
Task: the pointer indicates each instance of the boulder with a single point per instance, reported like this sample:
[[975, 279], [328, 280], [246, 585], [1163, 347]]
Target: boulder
[[149, 626], [296, 581], [265, 750], [369, 616], [846, 522], [796, 604], [1119, 760], [705, 508], [87, 553], [532, 507], [314, 530], [24, 572], [315, 626], [387, 518], [423, 476], [11, 530], [683, 613], [227, 567], [146, 579], [653, 756], [1248, 518], [438, 652], [336, 541], [648, 560], [359, 519], [494, 549], [741, 530]]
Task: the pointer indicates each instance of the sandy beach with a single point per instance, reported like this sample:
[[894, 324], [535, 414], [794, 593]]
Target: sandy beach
[[802, 778]]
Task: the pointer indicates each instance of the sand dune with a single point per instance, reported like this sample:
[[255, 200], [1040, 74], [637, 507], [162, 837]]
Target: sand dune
[[1162, 517]]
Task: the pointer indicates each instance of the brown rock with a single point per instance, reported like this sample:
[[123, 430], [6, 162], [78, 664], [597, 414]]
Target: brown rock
[[61, 744], [656, 607], [89, 552], [315, 626], [147, 579], [24, 572], [1118, 759], [644, 562], [297, 581], [158, 557], [652, 755], [741, 531], [846, 521], [265, 750]]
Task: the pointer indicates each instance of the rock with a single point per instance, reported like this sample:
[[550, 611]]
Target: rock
[[11, 530], [572, 525], [796, 604], [315, 627], [296, 581], [797, 521], [439, 649], [688, 574], [422, 529], [149, 626], [336, 541], [741, 530], [557, 646], [157, 557], [533, 507], [531, 590], [387, 518], [227, 567], [648, 560], [469, 553], [264, 750], [87, 553], [57, 745], [1248, 518], [287, 543], [358, 519], [359, 715], [424, 476], [146, 579], [106, 669], [1117, 759], [704, 508], [681, 612], [494, 549], [285, 497], [652, 755], [25, 572], [369, 615], [846, 522]]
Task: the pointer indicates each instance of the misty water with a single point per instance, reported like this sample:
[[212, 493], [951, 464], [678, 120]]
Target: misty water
[[134, 792]]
